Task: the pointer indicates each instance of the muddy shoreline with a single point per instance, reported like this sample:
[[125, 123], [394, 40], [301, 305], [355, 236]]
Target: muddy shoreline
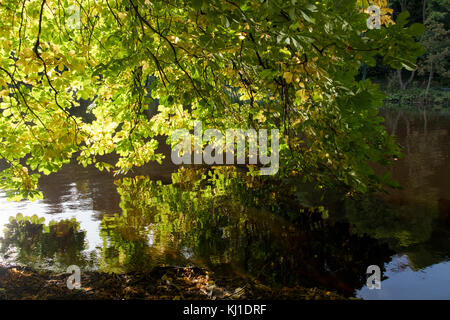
[[162, 283]]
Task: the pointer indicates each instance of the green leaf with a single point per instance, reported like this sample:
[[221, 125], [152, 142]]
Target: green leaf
[[416, 29], [307, 17], [402, 18]]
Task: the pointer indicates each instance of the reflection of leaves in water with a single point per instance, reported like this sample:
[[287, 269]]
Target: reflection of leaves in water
[[413, 228], [425, 254], [407, 225], [226, 220], [56, 245]]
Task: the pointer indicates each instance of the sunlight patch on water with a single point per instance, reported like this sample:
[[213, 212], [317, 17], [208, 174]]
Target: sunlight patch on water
[[404, 283], [74, 206]]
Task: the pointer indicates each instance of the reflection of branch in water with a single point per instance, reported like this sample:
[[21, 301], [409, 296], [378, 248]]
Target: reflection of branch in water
[[397, 118], [408, 133], [425, 120], [401, 264]]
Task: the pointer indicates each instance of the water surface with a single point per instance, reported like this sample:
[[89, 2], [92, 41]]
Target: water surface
[[136, 223]]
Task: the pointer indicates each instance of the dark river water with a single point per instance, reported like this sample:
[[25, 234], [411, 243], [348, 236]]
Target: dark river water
[[88, 219]]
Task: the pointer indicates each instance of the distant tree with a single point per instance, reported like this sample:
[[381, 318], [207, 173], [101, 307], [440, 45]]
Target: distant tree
[[434, 14], [436, 40], [417, 14]]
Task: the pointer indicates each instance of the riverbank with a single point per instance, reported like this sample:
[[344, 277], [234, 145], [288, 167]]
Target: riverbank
[[435, 100], [162, 283]]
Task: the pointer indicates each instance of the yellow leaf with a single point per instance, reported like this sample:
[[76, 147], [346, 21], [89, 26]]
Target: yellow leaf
[[301, 94], [28, 52], [288, 76], [34, 67], [6, 44], [45, 55]]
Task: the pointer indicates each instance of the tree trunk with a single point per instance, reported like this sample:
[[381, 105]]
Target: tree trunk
[[429, 80], [399, 73], [404, 85], [424, 10], [411, 77], [403, 4], [364, 71]]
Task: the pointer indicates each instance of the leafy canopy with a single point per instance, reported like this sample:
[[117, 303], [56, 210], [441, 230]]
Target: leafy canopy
[[232, 64]]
